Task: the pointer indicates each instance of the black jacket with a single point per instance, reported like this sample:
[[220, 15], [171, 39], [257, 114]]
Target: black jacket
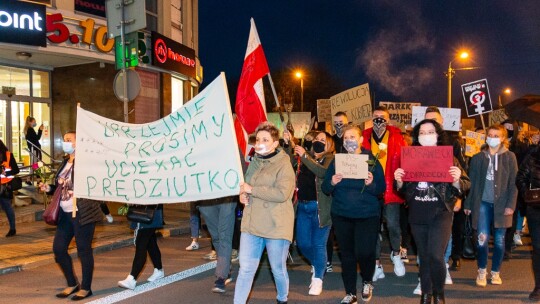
[[32, 137], [529, 171]]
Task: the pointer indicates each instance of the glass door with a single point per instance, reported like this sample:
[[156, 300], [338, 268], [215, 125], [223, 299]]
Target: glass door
[[19, 111], [3, 121], [42, 113]]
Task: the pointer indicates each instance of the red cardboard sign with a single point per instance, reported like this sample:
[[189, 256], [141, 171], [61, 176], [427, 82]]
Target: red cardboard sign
[[427, 164]]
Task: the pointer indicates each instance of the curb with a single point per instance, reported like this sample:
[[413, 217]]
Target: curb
[[49, 258]]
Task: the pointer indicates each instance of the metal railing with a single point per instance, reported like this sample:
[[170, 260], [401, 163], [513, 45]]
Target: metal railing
[[34, 158]]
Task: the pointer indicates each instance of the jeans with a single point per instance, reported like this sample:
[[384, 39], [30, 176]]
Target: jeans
[[485, 222], [533, 220], [310, 238], [357, 238], [220, 219], [448, 251], [431, 242], [8, 209], [146, 241], [194, 220], [251, 248], [68, 228]]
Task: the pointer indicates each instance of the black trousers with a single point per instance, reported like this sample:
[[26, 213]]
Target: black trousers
[[533, 220], [330, 245], [146, 242], [68, 228], [431, 242], [458, 231], [357, 240]]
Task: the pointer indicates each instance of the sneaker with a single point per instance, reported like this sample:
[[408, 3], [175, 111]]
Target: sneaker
[[193, 246], [234, 255], [329, 267], [219, 286], [349, 299], [378, 274], [158, 274], [315, 288], [128, 283], [418, 289], [448, 279], [481, 278], [367, 291], [517, 239], [403, 253], [496, 278], [228, 280], [399, 267], [109, 218], [212, 255]]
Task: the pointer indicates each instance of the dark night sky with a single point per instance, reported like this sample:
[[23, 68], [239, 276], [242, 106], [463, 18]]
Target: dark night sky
[[401, 48]]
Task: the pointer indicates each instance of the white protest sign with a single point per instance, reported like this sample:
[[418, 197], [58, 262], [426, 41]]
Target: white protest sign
[[497, 116], [352, 165], [473, 143], [189, 155], [355, 102], [451, 116]]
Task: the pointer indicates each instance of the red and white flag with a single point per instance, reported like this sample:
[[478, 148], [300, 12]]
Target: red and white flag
[[250, 108]]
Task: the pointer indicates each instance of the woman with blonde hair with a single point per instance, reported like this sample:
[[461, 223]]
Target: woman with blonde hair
[[32, 138], [492, 199]]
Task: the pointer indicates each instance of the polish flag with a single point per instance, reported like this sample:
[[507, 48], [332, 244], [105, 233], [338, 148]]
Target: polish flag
[[250, 108]]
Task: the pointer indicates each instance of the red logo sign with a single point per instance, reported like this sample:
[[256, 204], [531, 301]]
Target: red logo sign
[[160, 49], [171, 55]]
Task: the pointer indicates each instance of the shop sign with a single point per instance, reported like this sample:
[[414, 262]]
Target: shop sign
[[92, 7], [22, 23], [173, 56], [58, 32]]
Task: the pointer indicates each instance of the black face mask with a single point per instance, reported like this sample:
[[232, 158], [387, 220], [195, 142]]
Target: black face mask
[[510, 133], [307, 144], [318, 147]]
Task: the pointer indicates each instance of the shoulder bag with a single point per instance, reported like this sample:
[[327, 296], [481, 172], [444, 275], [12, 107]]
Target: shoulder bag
[[469, 245], [141, 214], [51, 214], [532, 196]]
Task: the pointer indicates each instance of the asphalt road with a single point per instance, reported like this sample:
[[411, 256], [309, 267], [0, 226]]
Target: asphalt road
[[41, 284]]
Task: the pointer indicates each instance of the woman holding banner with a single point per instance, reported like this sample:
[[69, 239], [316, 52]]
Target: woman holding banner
[[356, 214], [313, 220], [268, 217], [492, 199], [81, 226], [431, 209]]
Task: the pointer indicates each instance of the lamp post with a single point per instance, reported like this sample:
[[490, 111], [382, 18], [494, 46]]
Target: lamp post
[[506, 92], [299, 75], [450, 74]]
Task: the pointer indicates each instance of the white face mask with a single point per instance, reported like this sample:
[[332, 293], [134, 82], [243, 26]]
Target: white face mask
[[68, 147], [262, 149], [428, 140], [493, 142]]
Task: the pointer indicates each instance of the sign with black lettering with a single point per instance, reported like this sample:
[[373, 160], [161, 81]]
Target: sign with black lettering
[[172, 56], [92, 7], [400, 112], [22, 23], [355, 102], [476, 96]]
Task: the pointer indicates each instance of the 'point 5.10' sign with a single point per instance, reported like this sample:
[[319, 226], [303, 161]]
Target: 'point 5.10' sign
[[58, 32]]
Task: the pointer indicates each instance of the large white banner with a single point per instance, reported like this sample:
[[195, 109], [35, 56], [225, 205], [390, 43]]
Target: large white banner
[[355, 102], [451, 117], [190, 155]]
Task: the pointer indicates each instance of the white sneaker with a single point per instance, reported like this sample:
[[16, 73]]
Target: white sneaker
[[193, 246], [212, 255], [158, 274], [399, 267], [448, 279], [418, 289], [496, 278], [109, 218], [128, 283], [517, 239], [315, 288], [481, 278], [379, 273]]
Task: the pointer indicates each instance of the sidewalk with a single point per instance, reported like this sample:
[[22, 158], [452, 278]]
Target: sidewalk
[[32, 246]]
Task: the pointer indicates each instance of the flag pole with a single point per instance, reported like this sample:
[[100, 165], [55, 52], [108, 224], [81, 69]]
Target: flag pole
[[276, 99]]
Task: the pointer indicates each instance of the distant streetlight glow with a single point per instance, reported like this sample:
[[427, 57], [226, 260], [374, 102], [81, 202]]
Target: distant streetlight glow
[[507, 91], [299, 75], [450, 73], [464, 55]]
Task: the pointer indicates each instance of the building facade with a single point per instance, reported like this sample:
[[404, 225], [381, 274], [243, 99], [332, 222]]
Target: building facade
[[55, 54]]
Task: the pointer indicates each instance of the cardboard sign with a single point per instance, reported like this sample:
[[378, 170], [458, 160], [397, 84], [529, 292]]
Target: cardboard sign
[[473, 143], [353, 166], [324, 110], [451, 117], [189, 155], [301, 122], [414, 161], [468, 124], [355, 102], [476, 96], [400, 112], [497, 116]]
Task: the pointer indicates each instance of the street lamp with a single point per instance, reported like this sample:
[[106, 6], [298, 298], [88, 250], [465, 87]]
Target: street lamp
[[299, 75], [450, 74], [506, 92]]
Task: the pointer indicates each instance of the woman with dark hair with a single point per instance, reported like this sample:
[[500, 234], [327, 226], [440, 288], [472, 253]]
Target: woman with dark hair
[[268, 217], [82, 226], [32, 138], [8, 170], [356, 214], [313, 220], [492, 200], [431, 210]]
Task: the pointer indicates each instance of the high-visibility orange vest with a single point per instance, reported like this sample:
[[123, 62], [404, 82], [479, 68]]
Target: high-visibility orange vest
[[7, 167]]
